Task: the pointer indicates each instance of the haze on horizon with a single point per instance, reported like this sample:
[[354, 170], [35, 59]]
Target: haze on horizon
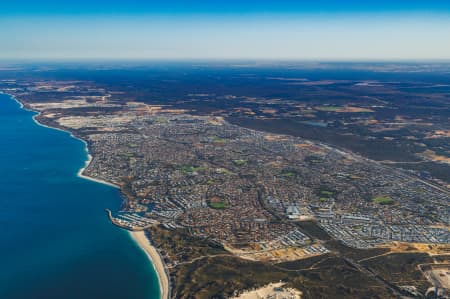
[[215, 29]]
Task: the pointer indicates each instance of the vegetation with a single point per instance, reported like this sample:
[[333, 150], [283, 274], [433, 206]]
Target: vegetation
[[221, 277], [383, 200], [217, 205], [288, 173], [399, 268], [179, 244], [206, 270], [313, 230], [328, 108], [325, 193], [313, 159], [354, 253], [219, 140], [304, 263], [191, 169], [240, 162]]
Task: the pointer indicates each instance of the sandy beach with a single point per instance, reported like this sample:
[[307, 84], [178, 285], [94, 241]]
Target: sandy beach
[[88, 161], [81, 175], [155, 259], [138, 236]]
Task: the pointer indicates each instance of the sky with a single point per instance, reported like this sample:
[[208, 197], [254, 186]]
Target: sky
[[218, 29]]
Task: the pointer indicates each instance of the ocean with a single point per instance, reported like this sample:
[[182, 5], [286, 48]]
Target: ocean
[[55, 238]]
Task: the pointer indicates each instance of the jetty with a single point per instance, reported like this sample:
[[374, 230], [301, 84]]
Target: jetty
[[131, 221]]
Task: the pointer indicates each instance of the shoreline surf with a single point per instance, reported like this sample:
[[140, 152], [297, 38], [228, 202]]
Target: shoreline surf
[[155, 259], [89, 156], [138, 238]]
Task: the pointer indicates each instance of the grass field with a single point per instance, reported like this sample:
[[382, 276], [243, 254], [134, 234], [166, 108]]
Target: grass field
[[192, 169], [383, 200], [240, 162], [218, 205], [219, 140], [288, 174]]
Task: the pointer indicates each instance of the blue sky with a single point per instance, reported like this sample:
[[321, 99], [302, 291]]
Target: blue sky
[[216, 6], [217, 29]]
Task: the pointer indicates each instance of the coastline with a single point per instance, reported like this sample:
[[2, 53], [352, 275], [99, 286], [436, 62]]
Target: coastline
[[86, 164], [155, 259], [89, 156], [138, 237]]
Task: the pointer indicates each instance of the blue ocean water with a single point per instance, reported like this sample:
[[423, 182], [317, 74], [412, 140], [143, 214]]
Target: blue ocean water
[[55, 238]]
